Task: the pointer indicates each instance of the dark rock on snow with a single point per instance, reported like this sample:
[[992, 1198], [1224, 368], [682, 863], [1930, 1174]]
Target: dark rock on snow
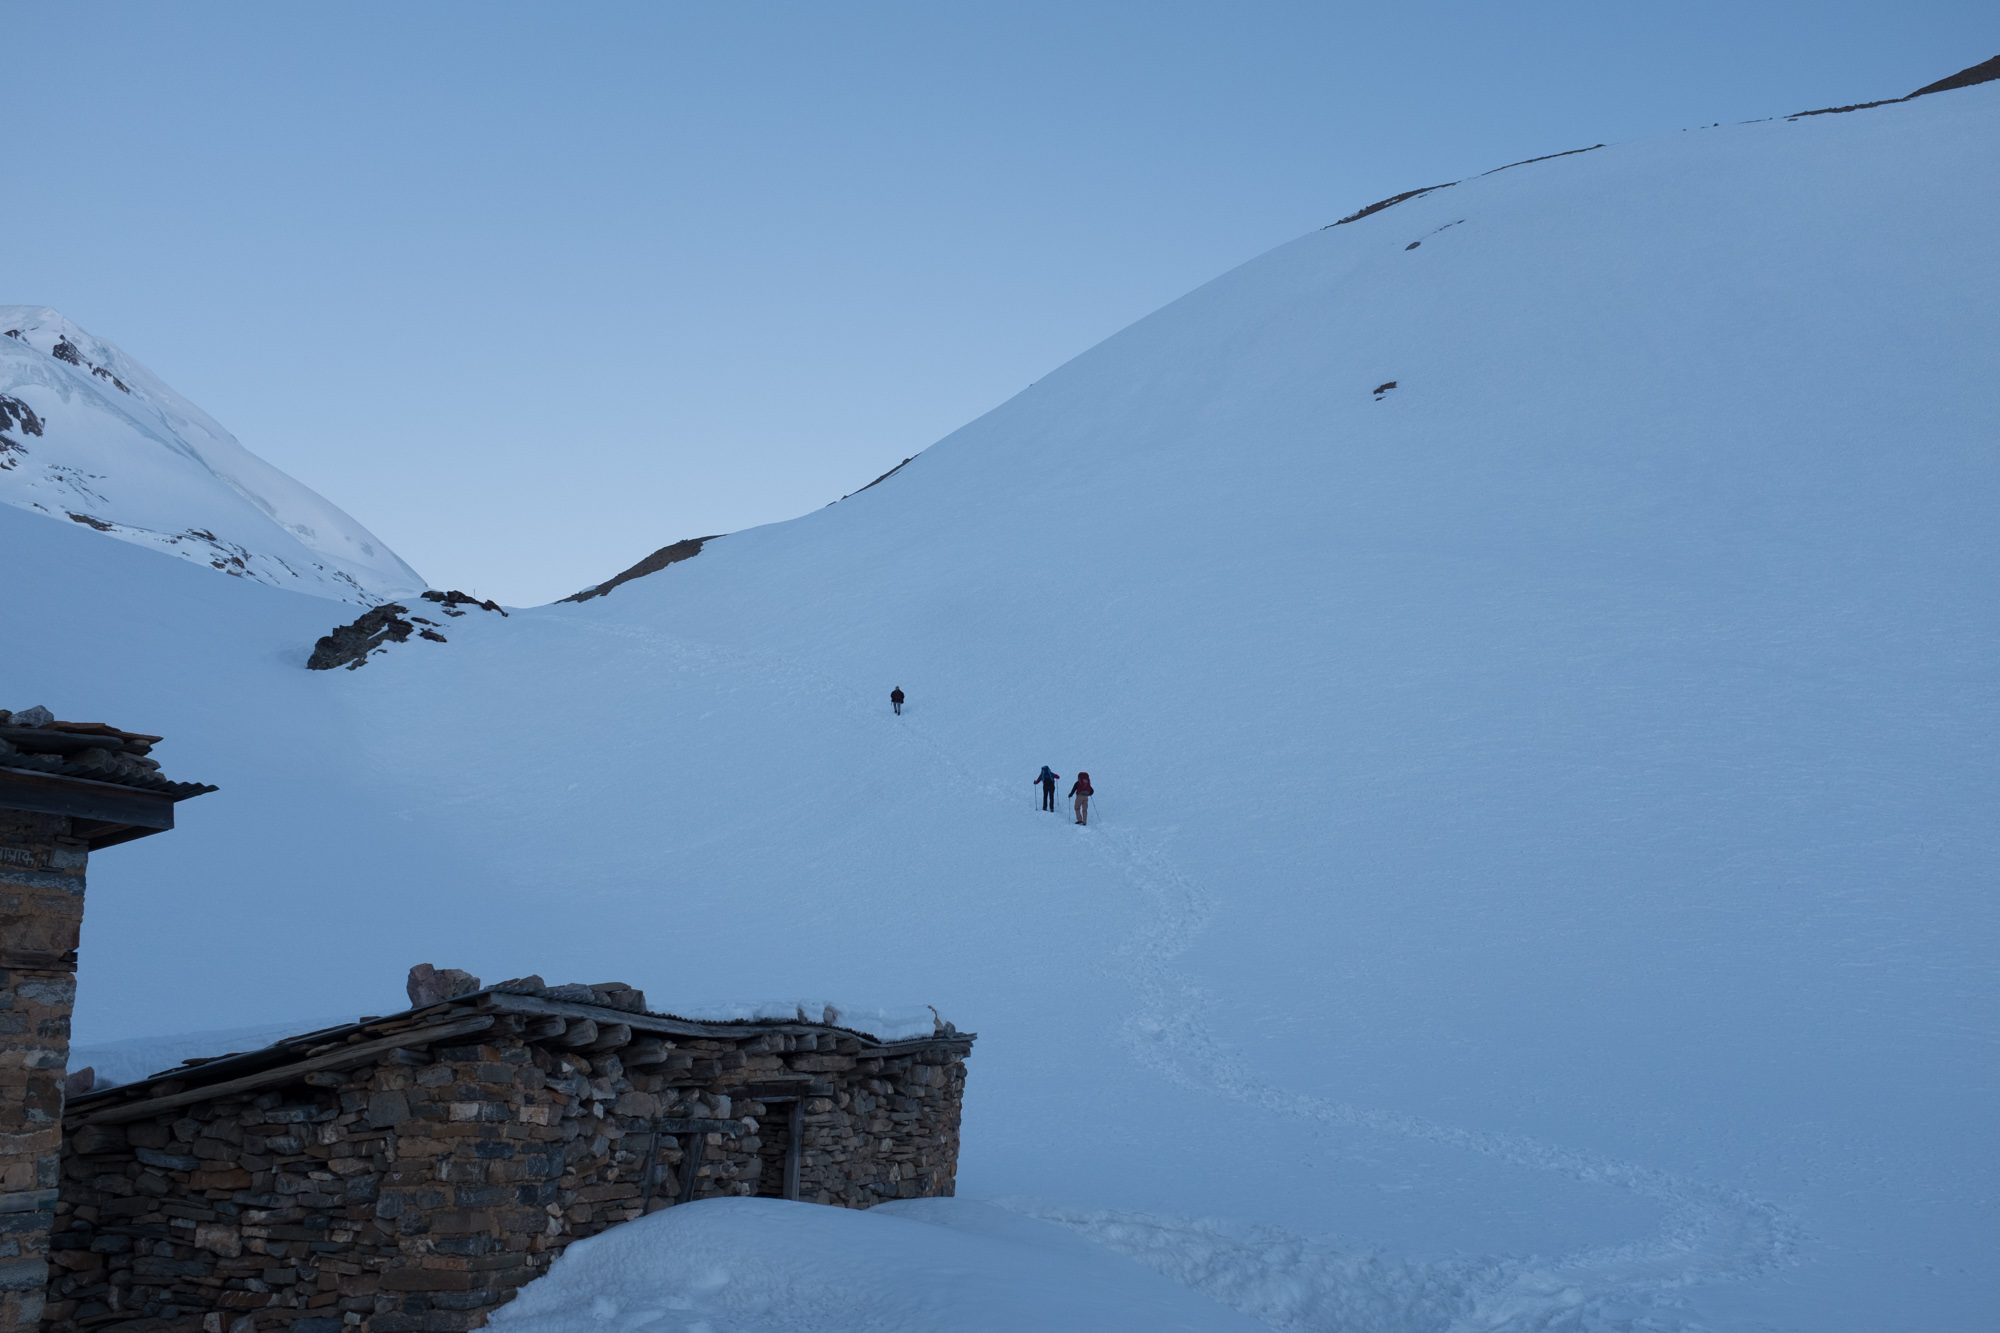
[[685, 549], [452, 600], [17, 415], [352, 644], [349, 645], [1984, 72]]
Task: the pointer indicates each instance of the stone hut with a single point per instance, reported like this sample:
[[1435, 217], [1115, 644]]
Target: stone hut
[[66, 789], [400, 1173], [411, 1172]]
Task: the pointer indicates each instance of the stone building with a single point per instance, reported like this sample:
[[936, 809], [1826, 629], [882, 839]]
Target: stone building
[[66, 789], [408, 1172], [411, 1172]]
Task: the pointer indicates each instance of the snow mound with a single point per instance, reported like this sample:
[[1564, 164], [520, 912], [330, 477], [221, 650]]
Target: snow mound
[[97, 439], [926, 1266]]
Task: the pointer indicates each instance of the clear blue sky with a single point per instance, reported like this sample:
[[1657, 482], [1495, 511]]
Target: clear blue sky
[[533, 289]]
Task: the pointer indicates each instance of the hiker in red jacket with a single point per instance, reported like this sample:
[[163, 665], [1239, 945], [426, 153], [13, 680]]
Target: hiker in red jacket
[[896, 700], [1080, 789]]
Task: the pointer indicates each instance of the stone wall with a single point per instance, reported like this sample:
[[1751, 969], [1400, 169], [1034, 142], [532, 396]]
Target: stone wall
[[41, 912], [419, 1190]]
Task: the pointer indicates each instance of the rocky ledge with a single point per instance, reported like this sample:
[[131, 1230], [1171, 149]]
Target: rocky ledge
[[375, 629]]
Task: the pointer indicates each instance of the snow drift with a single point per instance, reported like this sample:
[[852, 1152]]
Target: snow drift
[[1542, 870], [753, 1265]]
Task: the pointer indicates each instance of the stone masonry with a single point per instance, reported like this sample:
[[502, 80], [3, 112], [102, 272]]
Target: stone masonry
[[66, 789], [41, 915], [409, 1174], [404, 1174]]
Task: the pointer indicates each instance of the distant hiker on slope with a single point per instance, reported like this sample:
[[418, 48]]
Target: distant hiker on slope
[[896, 700], [1081, 790], [1048, 778]]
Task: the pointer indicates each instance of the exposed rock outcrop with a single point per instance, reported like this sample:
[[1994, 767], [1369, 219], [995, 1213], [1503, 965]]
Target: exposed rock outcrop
[[1984, 72], [15, 415], [351, 644], [879, 480], [685, 549], [375, 629], [450, 602]]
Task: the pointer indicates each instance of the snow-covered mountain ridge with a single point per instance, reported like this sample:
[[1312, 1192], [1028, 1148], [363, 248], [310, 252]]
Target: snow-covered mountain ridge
[[88, 435], [1542, 870]]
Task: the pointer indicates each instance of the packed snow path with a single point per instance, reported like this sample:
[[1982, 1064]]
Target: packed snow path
[[1708, 1233]]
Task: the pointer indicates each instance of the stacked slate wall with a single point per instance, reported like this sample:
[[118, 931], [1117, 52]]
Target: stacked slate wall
[[419, 1190], [41, 913]]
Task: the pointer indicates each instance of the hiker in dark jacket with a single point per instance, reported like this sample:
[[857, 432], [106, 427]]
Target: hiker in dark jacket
[[1080, 789], [896, 700], [1048, 778]]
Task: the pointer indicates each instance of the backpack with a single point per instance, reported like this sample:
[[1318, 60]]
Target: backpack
[[1083, 784]]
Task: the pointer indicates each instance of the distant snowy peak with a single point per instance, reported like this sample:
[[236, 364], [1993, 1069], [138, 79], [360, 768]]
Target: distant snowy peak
[[89, 435]]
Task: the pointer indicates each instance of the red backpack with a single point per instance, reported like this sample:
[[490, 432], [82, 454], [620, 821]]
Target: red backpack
[[1083, 784]]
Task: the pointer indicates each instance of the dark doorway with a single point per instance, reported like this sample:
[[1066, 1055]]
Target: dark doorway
[[778, 1132]]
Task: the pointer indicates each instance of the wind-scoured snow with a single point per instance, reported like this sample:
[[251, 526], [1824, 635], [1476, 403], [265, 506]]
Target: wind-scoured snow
[[1542, 872], [118, 451]]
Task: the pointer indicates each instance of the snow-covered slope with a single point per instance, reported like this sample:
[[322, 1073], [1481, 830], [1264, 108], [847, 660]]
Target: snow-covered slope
[[88, 435], [1543, 870]]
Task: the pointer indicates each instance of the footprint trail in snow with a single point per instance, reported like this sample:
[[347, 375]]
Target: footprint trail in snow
[[1709, 1234]]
